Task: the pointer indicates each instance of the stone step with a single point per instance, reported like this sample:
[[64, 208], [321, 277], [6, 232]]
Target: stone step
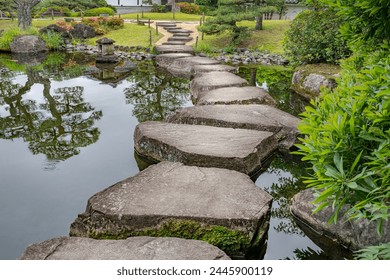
[[182, 31], [178, 38], [243, 150], [182, 67], [174, 49], [211, 68], [173, 43], [166, 24], [165, 60], [204, 82], [235, 95], [172, 28], [133, 248], [182, 34], [174, 199], [258, 117]]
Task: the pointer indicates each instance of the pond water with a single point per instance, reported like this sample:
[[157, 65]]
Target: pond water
[[65, 135]]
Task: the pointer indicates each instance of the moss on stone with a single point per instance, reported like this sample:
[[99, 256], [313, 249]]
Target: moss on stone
[[231, 241], [327, 70]]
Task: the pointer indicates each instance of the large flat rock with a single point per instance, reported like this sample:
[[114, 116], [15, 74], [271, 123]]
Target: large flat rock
[[176, 43], [238, 149], [354, 235], [133, 248], [258, 117], [204, 82], [212, 68], [183, 66], [235, 95], [182, 31], [171, 199], [174, 49], [165, 60], [179, 38]]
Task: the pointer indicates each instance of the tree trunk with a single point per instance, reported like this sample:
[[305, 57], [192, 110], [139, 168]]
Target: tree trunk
[[24, 12], [259, 22]]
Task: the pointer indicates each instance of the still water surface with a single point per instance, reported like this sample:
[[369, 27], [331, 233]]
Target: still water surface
[[65, 135]]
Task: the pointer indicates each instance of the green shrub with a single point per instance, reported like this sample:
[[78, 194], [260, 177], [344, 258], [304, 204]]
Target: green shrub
[[115, 23], [53, 40], [188, 8], [158, 8], [314, 37], [98, 11], [7, 37], [347, 141], [57, 9]]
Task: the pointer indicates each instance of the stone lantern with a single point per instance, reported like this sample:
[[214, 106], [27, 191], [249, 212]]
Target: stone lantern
[[106, 51]]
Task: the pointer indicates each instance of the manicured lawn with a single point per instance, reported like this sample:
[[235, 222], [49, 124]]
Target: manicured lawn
[[131, 35], [163, 16], [270, 38]]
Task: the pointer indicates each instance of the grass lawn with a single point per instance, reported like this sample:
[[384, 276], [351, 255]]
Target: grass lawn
[[130, 35], [163, 16], [270, 38]]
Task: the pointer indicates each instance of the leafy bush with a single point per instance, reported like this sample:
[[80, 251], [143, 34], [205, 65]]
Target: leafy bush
[[99, 11], [314, 37], [7, 37], [158, 8], [53, 40], [347, 141], [115, 23], [188, 8], [57, 9]]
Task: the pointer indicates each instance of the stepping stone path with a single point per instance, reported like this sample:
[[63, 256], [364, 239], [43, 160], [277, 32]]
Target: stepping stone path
[[180, 35], [257, 117], [201, 188], [134, 248], [238, 149], [166, 198]]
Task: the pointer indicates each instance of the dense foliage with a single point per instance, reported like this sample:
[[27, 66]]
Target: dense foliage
[[188, 8], [347, 132], [314, 37]]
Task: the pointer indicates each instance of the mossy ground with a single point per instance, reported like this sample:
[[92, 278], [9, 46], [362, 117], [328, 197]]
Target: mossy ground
[[232, 242]]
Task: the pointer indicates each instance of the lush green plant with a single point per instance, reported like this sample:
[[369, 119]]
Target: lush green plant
[[7, 37], [347, 141], [53, 40], [99, 11], [380, 252], [158, 8], [63, 10], [188, 8], [314, 37]]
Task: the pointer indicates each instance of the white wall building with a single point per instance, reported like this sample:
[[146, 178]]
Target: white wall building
[[129, 3]]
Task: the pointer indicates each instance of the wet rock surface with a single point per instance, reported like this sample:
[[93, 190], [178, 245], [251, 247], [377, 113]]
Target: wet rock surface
[[198, 145], [353, 235], [133, 248], [175, 194], [258, 117], [28, 44], [204, 82], [235, 95], [174, 49]]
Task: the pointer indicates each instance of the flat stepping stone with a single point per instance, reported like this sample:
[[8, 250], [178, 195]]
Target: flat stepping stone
[[211, 68], [351, 234], [174, 49], [171, 198], [166, 24], [133, 248], [165, 60], [235, 95], [174, 43], [182, 31], [178, 38], [243, 150], [258, 117], [172, 28], [182, 34], [204, 82], [182, 67]]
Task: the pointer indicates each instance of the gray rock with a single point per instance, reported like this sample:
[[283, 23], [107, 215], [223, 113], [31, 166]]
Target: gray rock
[[314, 82], [82, 31], [258, 117], [133, 248], [353, 235], [168, 196], [174, 49], [172, 43], [204, 82], [206, 146], [165, 60], [179, 39], [28, 44], [235, 95], [211, 68], [179, 30], [166, 24], [182, 67]]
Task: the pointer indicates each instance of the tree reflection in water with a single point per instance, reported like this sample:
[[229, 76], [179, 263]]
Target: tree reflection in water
[[55, 123], [155, 94]]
